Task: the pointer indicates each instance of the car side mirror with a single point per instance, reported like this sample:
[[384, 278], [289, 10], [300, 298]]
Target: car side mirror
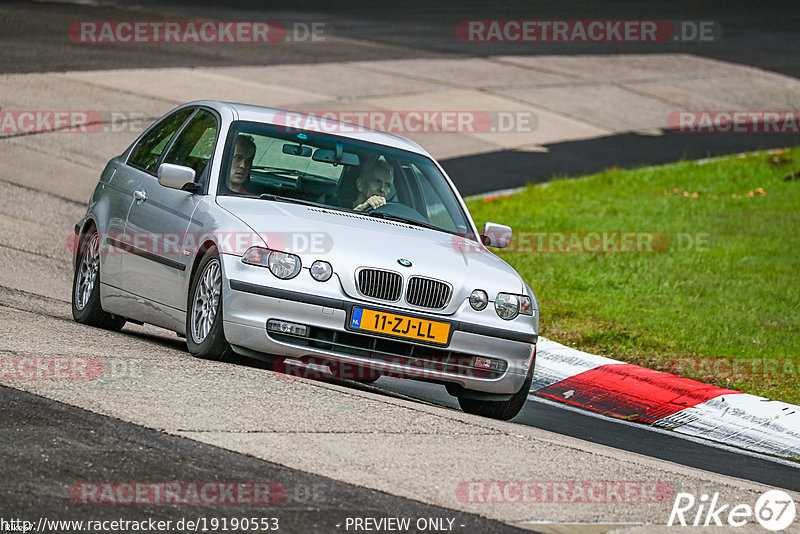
[[175, 176], [496, 235]]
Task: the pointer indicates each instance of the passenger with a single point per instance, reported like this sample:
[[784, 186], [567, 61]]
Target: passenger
[[243, 154], [373, 185]]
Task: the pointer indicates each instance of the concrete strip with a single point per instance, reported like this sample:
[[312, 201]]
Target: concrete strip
[[467, 72], [183, 85], [607, 106], [35, 168], [27, 205], [749, 90], [35, 274], [546, 127], [76, 91], [36, 238], [572, 97], [336, 81], [619, 68]]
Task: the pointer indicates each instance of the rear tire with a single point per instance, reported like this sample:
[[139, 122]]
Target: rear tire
[[503, 410], [205, 337], [86, 306]]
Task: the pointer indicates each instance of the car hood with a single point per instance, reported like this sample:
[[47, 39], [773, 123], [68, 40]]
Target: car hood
[[349, 240]]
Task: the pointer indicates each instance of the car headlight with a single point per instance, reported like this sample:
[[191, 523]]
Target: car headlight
[[321, 271], [525, 306], [478, 299], [506, 305], [282, 264], [256, 256]]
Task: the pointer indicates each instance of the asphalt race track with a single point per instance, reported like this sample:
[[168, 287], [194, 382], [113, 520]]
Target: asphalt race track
[[547, 415], [340, 449], [104, 448]]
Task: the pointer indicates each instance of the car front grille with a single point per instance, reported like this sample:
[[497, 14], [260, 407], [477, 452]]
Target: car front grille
[[379, 284], [427, 293]]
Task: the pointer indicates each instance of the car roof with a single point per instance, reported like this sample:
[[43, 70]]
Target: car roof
[[247, 112]]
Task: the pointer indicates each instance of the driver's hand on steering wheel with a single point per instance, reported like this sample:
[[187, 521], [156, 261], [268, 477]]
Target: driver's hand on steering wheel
[[373, 202]]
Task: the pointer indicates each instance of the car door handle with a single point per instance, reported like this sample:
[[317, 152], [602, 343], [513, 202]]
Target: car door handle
[[141, 196]]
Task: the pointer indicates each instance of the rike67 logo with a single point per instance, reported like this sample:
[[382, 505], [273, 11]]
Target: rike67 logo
[[774, 510]]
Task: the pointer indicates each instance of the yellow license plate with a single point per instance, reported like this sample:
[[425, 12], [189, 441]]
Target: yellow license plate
[[400, 325]]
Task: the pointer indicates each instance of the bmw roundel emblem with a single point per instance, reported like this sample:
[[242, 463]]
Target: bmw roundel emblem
[[404, 262]]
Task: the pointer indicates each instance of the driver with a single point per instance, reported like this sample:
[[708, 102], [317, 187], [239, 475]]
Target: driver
[[373, 185]]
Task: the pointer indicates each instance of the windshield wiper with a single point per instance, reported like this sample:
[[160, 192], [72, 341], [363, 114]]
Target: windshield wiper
[[277, 169], [398, 218], [281, 170], [278, 198]]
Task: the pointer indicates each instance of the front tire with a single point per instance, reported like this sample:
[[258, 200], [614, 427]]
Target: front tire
[[204, 334], [86, 307], [503, 410]]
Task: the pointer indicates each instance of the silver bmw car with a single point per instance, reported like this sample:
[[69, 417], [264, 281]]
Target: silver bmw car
[[265, 233]]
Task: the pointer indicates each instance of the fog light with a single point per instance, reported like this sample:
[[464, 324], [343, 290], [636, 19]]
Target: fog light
[[478, 299], [321, 271], [489, 364], [285, 327], [482, 363]]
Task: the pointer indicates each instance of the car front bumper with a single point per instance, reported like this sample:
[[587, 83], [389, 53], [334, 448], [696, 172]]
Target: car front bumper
[[248, 307]]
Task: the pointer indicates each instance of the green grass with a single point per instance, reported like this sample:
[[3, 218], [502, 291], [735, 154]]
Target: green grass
[[726, 313]]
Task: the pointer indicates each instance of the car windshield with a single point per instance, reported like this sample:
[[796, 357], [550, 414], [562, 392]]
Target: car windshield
[[276, 163]]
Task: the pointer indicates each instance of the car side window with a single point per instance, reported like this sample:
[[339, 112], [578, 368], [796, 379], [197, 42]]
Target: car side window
[[432, 202], [195, 143], [146, 154]]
